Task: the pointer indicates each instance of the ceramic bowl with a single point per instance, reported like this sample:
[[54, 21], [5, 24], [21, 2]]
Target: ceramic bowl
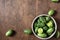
[[51, 34]]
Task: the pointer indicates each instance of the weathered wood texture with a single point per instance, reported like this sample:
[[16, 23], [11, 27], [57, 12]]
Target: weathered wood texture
[[18, 15]]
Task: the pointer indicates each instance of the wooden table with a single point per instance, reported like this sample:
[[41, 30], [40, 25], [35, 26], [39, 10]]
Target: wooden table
[[19, 14]]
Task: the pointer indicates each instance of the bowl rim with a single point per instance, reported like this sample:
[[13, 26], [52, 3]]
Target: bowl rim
[[52, 33]]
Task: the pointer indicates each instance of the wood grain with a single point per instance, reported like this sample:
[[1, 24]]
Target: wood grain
[[19, 14]]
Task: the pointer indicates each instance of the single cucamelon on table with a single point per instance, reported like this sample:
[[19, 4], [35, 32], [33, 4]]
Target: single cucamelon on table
[[9, 32], [51, 12], [57, 35], [28, 31], [55, 1]]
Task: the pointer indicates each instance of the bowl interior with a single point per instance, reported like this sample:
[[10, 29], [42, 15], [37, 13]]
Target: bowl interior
[[51, 34]]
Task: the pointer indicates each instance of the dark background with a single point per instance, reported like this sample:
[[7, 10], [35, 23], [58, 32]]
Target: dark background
[[19, 14]]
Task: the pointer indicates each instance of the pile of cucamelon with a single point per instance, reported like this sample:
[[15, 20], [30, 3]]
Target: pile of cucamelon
[[44, 26]]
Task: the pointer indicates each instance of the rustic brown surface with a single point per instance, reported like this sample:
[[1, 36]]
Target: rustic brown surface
[[18, 15]]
